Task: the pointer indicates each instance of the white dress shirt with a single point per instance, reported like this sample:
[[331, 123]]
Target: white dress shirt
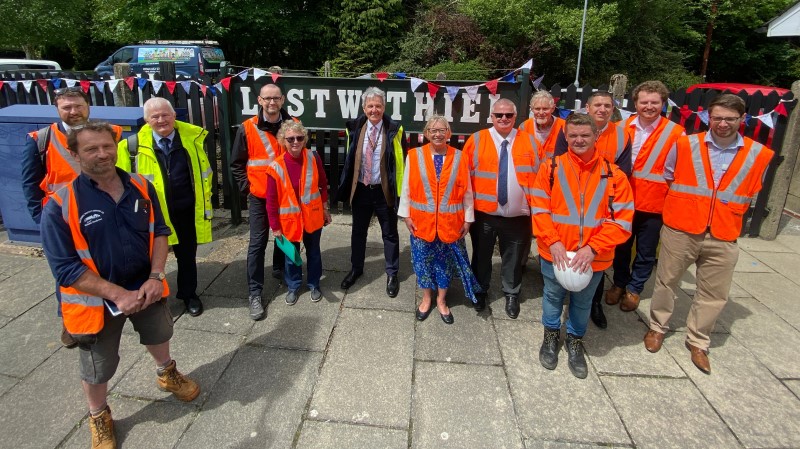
[[517, 204], [375, 176]]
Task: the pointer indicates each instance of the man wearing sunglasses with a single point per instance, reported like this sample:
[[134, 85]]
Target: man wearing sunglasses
[[254, 148], [47, 165], [503, 162]]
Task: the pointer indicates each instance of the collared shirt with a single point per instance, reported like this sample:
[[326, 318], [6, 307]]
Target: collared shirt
[[542, 135], [641, 135], [67, 128], [721, 158], [517, 204], [157, 141], [373, 148], [118, 234]]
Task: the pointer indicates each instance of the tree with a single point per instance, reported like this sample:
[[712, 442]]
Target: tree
[[31, 25], [369, 31]]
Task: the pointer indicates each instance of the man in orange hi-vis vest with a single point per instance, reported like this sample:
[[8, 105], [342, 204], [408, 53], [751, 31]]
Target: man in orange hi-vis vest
[[106, 242], [713, 176], [543, 126], [651, 138]]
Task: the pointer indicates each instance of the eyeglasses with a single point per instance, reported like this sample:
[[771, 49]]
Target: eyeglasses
[[298, 139], [728, 120], [64, 90], [270, 99], [438, 131], [500, 115]]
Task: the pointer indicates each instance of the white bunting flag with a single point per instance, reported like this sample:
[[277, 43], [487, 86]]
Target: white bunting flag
[[452, 91], [528, 65], [415, 83], [703, 115], [27, 85], [100, 86], [71, 83], [112, 84], [472, 91], [243, 75], [625, 114], [258, 73], [157, 85], [187, 86], [767, 119]]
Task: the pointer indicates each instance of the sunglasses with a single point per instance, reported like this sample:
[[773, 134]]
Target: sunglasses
[[298, 139], [503, 114], [65, 90]]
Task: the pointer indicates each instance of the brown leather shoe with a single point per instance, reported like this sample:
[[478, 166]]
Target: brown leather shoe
[[653, 340], [630, 302], [699, 358], [613, 295]]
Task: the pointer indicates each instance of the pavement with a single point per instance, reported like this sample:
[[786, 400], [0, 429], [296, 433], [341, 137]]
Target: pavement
[[356, 370]]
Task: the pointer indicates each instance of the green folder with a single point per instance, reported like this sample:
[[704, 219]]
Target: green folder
[[290, 250]]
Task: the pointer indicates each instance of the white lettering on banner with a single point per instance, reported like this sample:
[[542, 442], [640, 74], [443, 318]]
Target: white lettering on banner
[[424, 105], [468, 114], [349, 101], [321, 95], [448, 109], [395, 105], [247, 107], [492, 100], [296, 107]]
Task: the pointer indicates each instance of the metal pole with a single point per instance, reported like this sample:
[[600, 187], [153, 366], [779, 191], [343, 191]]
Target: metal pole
[[580, 46]]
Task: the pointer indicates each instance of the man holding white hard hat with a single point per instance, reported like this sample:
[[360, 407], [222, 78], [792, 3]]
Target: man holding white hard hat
[[582, 204]]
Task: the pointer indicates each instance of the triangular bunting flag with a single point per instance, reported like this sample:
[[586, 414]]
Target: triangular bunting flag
[[85, 85], [766, 119], [1, 85], [27, 85], [157, 84], [492, 86], [129, 81], [685, 111], [747, 118], [400, 75], [366, 76], [564, 113], [625, 114], [226, 82], [142, 82], [56, 83], [472, 91], [415, 83], [243, 75], [509, 78], [538, 82], [528, 65], [42, 84], [275, 77], [187, 86], [71, 83], [12, 85], [781, 109], [100, 86], [382, 76], [258, 73], [452, 91], [170, 86], [703, 115], [203, 89], [112, 85], [672, 103], [432, 89]]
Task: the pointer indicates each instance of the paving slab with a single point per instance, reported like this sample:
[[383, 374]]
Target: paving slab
[[26, 289], [203, 356], [555, 405], [232, 281], [541, 444], [479, 413], [749, 264], [794, 386], [207, 272], [771, 339], [470, 339], [369, 291], [4, 320], [6, 383], [742, 391], [756, 244], [784, 263], [136, 423], [661, 413], [328, 435], [29, 340], [220, 314], [790, 241], [366, 377], [776, 292], [42, 409], [13, 264], [258, 402]]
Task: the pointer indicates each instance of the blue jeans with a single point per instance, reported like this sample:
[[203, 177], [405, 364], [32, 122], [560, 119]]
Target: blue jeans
[[293, 275], [580, 303]]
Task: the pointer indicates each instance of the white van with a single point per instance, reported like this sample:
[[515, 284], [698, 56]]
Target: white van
[[28, 65]]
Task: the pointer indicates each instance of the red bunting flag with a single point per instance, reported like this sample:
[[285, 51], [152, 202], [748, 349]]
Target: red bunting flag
[[42, 84], [275, 77], [226, 82], [170, 86], [432, 89], [203, 89], [492, 86], [1, 84], [129, 81], [781, 109], [85, 84], [382, 76]]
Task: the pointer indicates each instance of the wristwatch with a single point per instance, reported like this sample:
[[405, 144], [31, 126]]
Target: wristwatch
[[159, 276]]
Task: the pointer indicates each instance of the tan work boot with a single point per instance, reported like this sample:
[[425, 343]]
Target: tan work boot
[[102, 427], [614, 294], [176, 383], [630, 302]]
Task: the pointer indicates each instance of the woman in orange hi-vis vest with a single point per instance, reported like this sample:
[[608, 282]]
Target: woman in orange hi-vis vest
[[297, 197], [436, 204]]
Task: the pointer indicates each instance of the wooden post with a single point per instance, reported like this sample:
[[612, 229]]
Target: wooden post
[[122, 95], [779, 188], [617, 87], [167, 70]]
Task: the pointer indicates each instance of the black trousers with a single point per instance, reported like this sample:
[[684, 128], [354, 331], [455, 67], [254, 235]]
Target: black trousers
[[646, 231], [185, 252], [369, 200], [514, 234], [259, 234]]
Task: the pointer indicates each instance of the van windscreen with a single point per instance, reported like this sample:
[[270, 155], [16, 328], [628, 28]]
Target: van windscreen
[[156, 54], [212, 54]]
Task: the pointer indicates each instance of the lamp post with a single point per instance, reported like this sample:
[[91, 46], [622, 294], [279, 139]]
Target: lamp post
[[580, 46]]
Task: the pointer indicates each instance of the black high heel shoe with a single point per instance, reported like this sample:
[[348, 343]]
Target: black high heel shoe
[[421, 316], [448, 319]]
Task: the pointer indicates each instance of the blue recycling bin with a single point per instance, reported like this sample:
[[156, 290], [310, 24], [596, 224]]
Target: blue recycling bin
[[15, 123]]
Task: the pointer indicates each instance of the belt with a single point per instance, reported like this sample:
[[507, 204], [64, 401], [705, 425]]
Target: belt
[[370, 186]]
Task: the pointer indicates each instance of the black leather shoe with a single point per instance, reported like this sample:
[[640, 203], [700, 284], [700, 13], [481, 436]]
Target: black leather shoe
[[392, 285], [448, 319], [350, 279], [512, 306], [480, 302], [575, 357], [421, 316], [548, 353], [597, 315], [194, 306]]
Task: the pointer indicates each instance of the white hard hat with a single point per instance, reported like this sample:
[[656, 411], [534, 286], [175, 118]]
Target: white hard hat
[[572, 280]]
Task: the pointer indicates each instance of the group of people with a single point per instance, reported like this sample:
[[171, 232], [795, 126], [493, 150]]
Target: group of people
[[593, 193]]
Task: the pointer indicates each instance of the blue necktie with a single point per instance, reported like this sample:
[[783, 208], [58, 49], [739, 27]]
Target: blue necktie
[[502, 176], [164, 145]]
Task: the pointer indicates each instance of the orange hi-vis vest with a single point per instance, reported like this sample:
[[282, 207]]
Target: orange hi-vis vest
[[549, 145], [484, 165], [586, 205], [308, 215], [436, 205], [60, 167], [83, 313], [647, 179], [612, 141], [694, 205], [262, 149]]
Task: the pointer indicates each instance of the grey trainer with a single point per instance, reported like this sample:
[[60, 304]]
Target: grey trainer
[[291, 297], [316, 295], [256, 308]]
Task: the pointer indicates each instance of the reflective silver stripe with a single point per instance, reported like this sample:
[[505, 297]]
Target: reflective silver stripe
[[702, 188], [293, 206], [451, 208], [290, 210], [257, 163], [57, 186], [729, 193], [208, 214], [627, 205], [566, 219], [590, 215], [539, 193], [524, 169], [645, 173], [484, 174], [539, 210], [572, 208], [445, 205], [624, 224], [62, 151], [84, 300], [620, 142], [150, 178], [309, 175], [485, 197], [429, 206], [84, 253], [731, 198], [701, 191], [65, 196], [527, 190], [267, 144], [207, 173], [476, 139]]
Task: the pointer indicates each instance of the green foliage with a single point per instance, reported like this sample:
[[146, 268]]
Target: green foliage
[[31, 25], [368, 33], [468, 70]]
